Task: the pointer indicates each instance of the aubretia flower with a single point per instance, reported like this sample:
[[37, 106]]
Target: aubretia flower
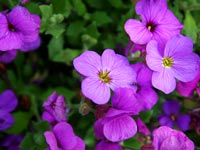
[[176, 61], [102, 73], [11, 142], [8, 102], [118, 125], [172, 117], [20, 29], [62, 137], [106, 145], [187, 88], [144, 93], [165, 138], [8, 56], [55, 108], [158, 23], [142, 128]]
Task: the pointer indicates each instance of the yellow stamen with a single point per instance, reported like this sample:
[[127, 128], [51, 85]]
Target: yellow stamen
[[149, 28], [104, 77], [167, 62], [173, 117]]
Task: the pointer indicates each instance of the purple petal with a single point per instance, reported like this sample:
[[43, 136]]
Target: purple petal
[[186, 66], [183, 122], [171, 107], [51, 140], [95, 90], [48, 117], [153, 57], [8, 56], [120, 128], [6, 120], [3, 25], [124, 99], [29, 46], [108, 146], [8, 101], [164, 81], [142, 128], [137, 31], [147, 97], [65, 135], [98, 129], [166, 121], [172, 142], [88, 64], [80, 145]]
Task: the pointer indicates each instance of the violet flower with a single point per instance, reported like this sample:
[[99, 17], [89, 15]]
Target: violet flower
[[187, 88], [8, 102], [62, 137], [20, 29], [8, 56], [55, 108], [11, 142], [176, 61], [142, 128], [118, 125], [165, 138], [144, 93], [101, 73], [158, 23], [106, 145], [171, 116]]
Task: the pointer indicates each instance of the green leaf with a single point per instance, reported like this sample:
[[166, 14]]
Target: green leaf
[[146, 115], [190, 27], [75, 28], [92, 30], [21, 122], [28, 142], [101, 18], [79, 7], [55, 30], [116, 3], [132, 142]]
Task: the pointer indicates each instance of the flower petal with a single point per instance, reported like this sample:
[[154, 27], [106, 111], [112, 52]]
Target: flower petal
[[8, 56], [6, 120], [164, 81], [96, 90], [166, 121], [153, 57], [120, 128], [171, 107], [108, 146], [183, 122], [88, 63], [51, 140], [98, 129], [137, 31], [8, 101], [3, 25], [80, 144], [65, 135]]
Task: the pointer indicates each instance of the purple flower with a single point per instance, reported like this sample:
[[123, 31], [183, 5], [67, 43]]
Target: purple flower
[[55, 108], [20, 29], [11, 142], [142, 128], [8, 102], [187, 88], [165, 138], [158, 23], [62, 137], [172, 117], [118, 125], [176, 61], [145, 94], [106, 145], [102, 73], [8, 56]]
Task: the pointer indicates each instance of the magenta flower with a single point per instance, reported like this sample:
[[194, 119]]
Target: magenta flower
[[142, 128], [158, 23], [165, 138], [144, 93], [106, 145], [102, 73], [11, 142], [172, 117], [176, 61], [55, 108], [187, 88], [8, 102], [20, 29], [118, 125], [63, 138], [8, 56]]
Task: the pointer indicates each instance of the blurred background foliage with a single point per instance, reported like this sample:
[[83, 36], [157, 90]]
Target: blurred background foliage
[[68, 28]]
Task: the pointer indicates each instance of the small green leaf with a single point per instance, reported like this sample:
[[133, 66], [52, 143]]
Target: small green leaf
[[79, 7], [116, 3], [190, 27], [146, 115], [28, 142], [55, 30], [101, 18]]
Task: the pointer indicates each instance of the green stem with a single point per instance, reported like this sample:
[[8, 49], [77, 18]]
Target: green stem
[[35, 108]]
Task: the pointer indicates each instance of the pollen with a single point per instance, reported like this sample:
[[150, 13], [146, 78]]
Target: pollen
[[149, 28], [104, 76], [167, 62], [173, 117]]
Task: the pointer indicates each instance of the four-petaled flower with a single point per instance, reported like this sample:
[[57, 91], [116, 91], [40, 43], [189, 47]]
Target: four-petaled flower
[[111, 70]]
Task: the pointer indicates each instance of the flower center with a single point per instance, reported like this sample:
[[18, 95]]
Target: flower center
[[104, 77], [173, 117], [11, 27], [167, 62], [151, 26]]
